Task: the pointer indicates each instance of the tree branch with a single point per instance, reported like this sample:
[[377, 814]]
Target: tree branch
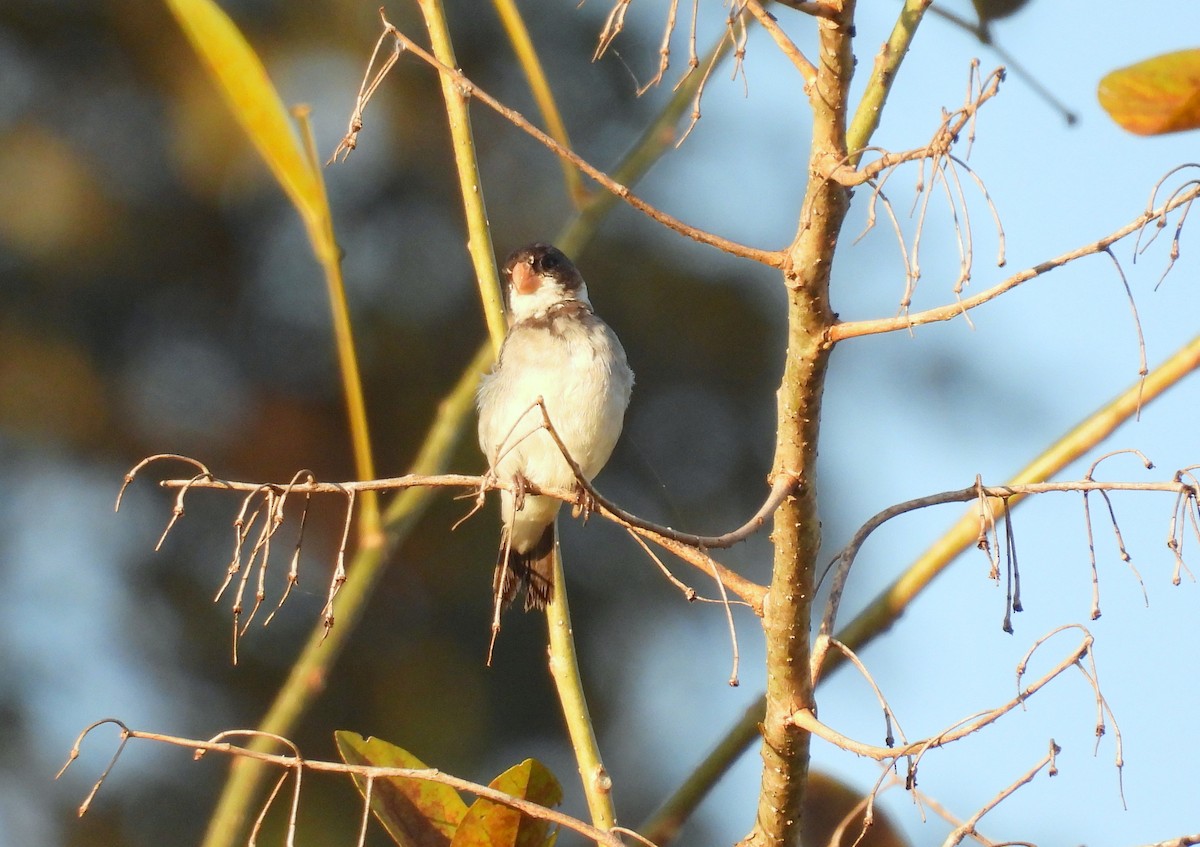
[[845, 558], [891, 754], [852, 329], [297, 763], [771, 258], [687, 546]]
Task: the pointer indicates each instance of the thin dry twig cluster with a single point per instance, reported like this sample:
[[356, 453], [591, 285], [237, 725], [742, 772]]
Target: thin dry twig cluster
[[1179, 197], [1185, 512], [1158, 217], [736, 34], [898, 748], [944, 170], [263, 505], [402, 43]]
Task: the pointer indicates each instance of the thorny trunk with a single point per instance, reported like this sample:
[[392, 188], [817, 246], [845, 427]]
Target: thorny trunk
[[797, 530]]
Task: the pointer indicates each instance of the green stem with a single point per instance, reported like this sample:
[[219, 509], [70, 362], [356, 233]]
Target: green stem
[[887, 63], [563, 664], [325, 248], [479, 234], [306, 679], [564, 668], [535, 75]]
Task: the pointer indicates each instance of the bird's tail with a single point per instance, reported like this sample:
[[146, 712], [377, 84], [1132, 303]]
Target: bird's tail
[[532, 570]]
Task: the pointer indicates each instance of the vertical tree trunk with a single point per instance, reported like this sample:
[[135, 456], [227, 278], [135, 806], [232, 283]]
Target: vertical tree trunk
[[797, 530]]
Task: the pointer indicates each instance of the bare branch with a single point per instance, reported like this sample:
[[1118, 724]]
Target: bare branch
[[968, 826], [74, 754], [712, 63], [1186, 509], [789, 48], [687, 546], [845, 558], [807, 720], [939, 145], [852, 329], [366, 91], [295, 762], [613, 24], [664, 49], [945, 168], [771, 258], [132, 473], [889, 717]]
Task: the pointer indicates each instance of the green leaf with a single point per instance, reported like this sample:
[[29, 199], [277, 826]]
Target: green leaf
[[1157, 96], [490, 824], [415, 812], [243, 80]]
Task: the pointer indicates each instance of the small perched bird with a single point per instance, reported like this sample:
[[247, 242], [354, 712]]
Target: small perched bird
[[559, 350]]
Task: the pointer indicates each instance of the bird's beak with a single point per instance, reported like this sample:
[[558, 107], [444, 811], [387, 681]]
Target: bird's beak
[[524, 280]]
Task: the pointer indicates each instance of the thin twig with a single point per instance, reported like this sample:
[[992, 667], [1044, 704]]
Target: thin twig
[[805, 718], [467, 88], [785, 44], [297, 763], [667, 537], [845, 558], [968, 826], [852, 329]]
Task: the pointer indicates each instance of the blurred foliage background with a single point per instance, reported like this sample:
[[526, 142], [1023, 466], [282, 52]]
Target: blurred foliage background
[[157, 294]]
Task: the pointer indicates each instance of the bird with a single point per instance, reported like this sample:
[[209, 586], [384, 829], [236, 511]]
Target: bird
[[556, 349]]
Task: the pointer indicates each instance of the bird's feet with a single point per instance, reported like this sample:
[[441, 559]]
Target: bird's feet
[[584, 504], [520, 489]]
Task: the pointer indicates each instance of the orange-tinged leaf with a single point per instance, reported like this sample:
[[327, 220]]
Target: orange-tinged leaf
[[243, 80], [1156, 96], [490, 824], [415, 812]]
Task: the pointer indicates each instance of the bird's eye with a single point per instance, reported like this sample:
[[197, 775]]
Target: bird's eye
[[549, 262]]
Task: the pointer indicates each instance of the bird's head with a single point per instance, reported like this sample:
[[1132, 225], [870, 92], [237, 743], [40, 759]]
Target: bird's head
[[538, 277]]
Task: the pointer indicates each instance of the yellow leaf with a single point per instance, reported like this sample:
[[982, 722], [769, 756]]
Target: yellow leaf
[[243, 80], [1157, 96], [491, 824]]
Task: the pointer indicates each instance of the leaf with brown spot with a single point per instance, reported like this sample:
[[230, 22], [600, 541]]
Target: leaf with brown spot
[[415, 812]]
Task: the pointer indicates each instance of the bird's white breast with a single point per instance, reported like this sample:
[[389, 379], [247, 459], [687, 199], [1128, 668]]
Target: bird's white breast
[[575, 363]]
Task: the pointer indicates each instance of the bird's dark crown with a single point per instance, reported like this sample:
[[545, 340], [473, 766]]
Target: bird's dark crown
[[544, 259], [547, 262]]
